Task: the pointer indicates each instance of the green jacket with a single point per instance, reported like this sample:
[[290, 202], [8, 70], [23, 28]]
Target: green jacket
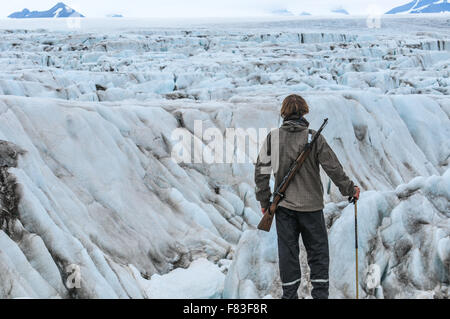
[[279, 151]]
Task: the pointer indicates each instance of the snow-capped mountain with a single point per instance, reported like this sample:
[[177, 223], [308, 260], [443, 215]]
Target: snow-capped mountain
[[60, 10], [422, 6], [340, 11], [282, 12]]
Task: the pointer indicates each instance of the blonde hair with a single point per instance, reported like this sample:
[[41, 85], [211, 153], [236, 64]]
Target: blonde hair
[[292, 105]]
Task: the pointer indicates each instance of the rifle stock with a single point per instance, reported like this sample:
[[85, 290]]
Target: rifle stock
[[267, 219]]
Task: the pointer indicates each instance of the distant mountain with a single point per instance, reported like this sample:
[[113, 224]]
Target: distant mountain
[[60, 10], [422, 6], [304, 13], [115, 15], [282, 12], [340, 10]]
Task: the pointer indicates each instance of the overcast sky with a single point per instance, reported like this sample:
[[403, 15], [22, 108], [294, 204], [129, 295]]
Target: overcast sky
[[200, 8]]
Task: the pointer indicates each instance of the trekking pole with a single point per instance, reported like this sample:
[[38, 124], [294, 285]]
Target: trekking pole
[[356, 246], [354, 201]]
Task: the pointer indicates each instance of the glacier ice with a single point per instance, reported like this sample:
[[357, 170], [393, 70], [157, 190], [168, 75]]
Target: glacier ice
[[201, 280], [104, 211]]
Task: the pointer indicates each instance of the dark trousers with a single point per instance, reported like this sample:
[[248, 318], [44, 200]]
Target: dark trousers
[[311, 225]]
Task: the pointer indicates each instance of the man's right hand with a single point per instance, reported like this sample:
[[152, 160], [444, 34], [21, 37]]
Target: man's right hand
[[357, 191]]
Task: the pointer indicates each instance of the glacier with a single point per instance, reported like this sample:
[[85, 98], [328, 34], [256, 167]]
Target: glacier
[[93, 205]]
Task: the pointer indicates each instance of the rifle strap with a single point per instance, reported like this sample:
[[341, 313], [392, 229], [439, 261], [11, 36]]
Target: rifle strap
[[279, 194]]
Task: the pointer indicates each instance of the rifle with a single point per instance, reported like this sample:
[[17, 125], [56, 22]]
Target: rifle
[[266, 221]]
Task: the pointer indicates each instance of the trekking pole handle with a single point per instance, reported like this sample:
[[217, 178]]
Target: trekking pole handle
[[352, 199]]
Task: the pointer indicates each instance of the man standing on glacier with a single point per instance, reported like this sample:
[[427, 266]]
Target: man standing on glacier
[[300, 211]]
